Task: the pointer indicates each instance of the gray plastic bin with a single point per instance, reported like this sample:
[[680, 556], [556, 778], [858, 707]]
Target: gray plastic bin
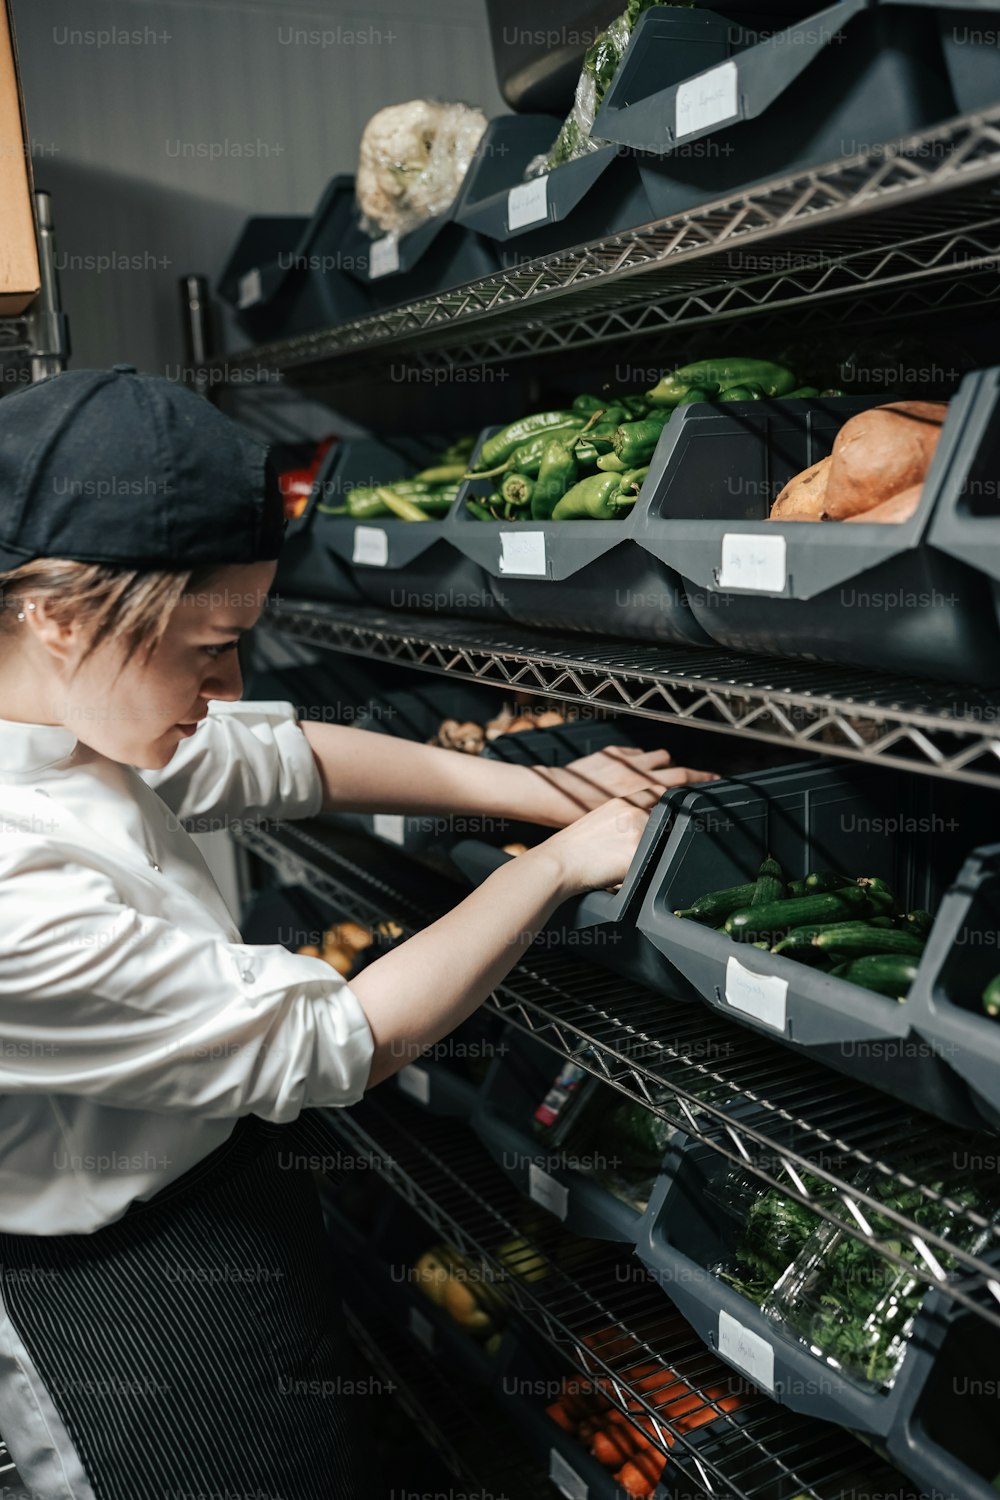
[[592, 576], [969, 33], [963, 955], [911, 832], [851, 78], [966, 520], [437, 255], [858, 594]]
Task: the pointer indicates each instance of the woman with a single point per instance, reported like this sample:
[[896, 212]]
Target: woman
[[164, 1282]]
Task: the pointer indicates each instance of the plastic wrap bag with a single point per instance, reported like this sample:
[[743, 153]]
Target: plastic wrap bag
[[412, 160], [600, 64]]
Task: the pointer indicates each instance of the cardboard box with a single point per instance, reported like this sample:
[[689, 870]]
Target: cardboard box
[[19, 278]]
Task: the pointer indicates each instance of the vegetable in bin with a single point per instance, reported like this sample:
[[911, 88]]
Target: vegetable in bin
[[772, 379]]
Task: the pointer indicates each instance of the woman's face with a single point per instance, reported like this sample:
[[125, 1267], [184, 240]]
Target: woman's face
[[141, 714]]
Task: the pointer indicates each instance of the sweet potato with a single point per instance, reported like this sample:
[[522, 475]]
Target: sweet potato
[[878, 453], [634, 1482], [899, 508], [803, 497]]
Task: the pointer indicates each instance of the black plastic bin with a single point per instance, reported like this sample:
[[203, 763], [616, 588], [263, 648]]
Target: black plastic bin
[[969, 32], [592, 576], [437, 255], [911, 832], [859, 594], [685, 1232], [851, 78], [597, 195], [563, 1180], [966, 520], [286, 274], [962, 957]]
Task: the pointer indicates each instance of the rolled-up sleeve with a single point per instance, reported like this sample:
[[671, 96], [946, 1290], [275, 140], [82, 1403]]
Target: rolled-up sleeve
[[101, 1000], [245, 762]]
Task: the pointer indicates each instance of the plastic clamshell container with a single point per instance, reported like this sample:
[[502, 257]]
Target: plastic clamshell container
[[597, 195], [561, 1179], [685, 1231], [589, 576], [796, 98], [396, 564], [966, 520], [818, 818], [962, 956], [873, 595]]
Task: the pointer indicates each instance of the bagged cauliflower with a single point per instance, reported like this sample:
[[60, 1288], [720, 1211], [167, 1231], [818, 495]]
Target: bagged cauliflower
[[412, 161]]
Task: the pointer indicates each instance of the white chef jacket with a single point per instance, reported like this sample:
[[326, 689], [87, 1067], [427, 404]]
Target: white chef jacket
[[135, 1026]]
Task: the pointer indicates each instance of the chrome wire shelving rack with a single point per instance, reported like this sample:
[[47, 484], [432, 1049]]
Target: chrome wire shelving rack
[[691, 1067], [594, 1305], [908, 228], [903, 723]]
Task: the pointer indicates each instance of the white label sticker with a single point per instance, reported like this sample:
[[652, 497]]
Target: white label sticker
[[523, 552], [528, 203], [249, 290], [390, 826], [706, 99], [759, 995], [383, 256], [422, 1330], [564, 1478], [747, 1350], [416, 1082], [544, 1190], [371, 546], [753, 562]]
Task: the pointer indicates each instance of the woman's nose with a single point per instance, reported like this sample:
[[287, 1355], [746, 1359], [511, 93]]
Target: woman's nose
[[225, 680]]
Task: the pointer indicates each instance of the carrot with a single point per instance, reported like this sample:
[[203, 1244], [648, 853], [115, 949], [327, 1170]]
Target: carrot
[[557, 1411], [633, 1480], [608, 1451], [708, 1412], [650, 1464]]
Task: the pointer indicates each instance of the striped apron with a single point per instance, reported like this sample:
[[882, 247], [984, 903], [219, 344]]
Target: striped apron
[[196, 1346]]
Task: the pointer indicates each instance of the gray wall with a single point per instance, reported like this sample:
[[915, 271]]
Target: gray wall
[[156, 148]]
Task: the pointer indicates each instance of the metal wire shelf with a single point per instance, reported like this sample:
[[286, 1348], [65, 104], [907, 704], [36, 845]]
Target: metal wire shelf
[[593, 1304], [691, 1067], [899, 722], [922, 207], [463, 1438]]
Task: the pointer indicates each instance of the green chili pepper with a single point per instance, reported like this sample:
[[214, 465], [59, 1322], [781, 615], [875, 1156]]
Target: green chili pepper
[[698, 394], [517, 490], [587, 404], [833, 390], [635, 441], [527, 459], [749, 392], [433, 505], [400, 505], [361, 502], [502, 444], [442, 474], [610, 463], [631, 480], [775, 379], [589, 499], [477, 509], [557, 473], [636, 406], [803, 392]]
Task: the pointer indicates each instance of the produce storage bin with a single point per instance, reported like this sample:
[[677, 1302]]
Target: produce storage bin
[[594, 576], [564, 1180], [962, 957], [860, 594], [537, 66], [690, 1228], [597, 195], [286, 275], [910, 831], [966, 520], [396, 564], [968, 31], [853, 77], [437, 255]]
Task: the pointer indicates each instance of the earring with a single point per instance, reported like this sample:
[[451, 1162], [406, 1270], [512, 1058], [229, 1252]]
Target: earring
[[20, 614], [31, 606]]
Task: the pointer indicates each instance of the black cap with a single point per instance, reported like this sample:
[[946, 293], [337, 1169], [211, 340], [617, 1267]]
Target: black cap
[[110, 466]]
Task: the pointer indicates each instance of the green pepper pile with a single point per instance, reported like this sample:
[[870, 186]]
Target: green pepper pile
[[426, 496], [852, 928], [587, 461]]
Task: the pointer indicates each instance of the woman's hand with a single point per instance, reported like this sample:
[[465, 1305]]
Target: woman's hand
[[620, 771], [595, 851]]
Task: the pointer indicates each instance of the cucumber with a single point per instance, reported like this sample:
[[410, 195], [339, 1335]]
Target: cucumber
[[888, 974], [770, 884], [854, 939], [797, 888], [991, 997], [920, 922], [825, 880], [799, 940], [717, 905], [881, 895], [798, 911]]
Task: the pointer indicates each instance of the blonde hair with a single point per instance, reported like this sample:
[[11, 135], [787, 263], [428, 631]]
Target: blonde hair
[[113, 605]]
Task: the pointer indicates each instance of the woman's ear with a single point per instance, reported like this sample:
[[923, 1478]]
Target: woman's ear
[[61, 640]]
